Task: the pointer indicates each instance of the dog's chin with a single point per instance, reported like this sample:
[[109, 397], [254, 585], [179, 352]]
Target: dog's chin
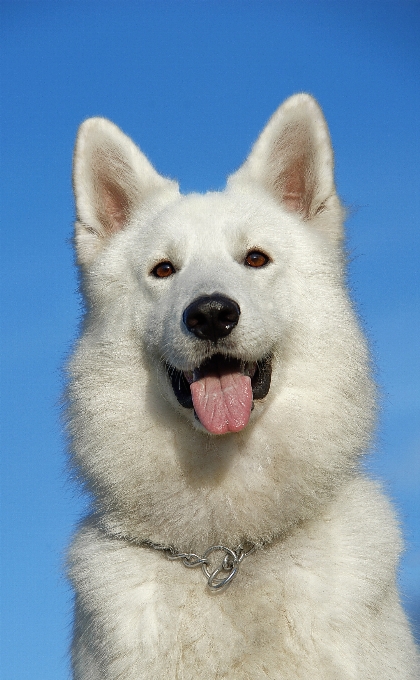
[[221, 366]]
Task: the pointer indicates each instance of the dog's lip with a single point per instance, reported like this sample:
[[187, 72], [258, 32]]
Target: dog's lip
[[259, 371]]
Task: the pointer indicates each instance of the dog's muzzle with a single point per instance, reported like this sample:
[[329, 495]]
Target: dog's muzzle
[[222, 388]]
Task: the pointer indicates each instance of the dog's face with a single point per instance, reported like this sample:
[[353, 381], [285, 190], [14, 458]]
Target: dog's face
[[213, 301]]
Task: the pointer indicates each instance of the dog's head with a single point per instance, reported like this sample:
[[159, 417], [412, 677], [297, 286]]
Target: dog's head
[[213, 300]]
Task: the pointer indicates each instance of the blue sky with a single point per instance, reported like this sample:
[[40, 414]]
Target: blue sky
[[193, 83]]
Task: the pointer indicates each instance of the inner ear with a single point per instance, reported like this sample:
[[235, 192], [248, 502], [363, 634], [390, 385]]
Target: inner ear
[[292, 170], [113, 205], [115, 188]]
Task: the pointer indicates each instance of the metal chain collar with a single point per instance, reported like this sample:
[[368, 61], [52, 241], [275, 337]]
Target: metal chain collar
[[217, 576]]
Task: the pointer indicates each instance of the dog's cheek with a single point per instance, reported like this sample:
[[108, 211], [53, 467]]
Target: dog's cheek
[[158, 330], [265, 318]]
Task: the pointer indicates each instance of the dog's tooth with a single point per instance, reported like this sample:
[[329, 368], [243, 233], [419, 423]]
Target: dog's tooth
[[189, 376], [250, 368]]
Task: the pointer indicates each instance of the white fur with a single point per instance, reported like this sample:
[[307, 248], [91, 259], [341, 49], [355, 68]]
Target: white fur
[[318, 598]]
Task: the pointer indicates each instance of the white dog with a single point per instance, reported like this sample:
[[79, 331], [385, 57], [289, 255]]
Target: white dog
[[220, 399]]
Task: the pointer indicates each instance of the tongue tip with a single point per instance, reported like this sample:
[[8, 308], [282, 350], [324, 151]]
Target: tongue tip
[[225, 427]]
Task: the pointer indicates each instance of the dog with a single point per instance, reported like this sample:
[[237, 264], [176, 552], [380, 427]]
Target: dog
[[219, 402]]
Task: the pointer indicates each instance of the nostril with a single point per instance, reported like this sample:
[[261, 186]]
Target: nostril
[[192, 321], [211, 317], [229, 315]]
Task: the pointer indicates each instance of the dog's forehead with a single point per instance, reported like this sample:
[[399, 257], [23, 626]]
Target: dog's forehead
[[211, 213], [202, 211]]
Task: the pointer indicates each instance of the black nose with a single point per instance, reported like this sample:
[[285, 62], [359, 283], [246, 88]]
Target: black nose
[[211, 317]]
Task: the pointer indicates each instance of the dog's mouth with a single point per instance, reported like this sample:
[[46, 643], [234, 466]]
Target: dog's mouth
[[222, 390]]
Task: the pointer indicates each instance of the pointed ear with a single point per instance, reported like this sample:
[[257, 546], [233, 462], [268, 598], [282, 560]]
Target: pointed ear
[[111, 178], [293, 160]]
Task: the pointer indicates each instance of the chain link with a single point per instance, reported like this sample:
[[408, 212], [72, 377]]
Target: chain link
[[220, 576]]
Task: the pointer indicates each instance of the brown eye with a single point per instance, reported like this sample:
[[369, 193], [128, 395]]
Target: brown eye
[[256, 259], [163, 270]]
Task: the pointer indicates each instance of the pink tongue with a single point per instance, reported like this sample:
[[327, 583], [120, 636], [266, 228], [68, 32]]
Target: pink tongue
[[223, 403]]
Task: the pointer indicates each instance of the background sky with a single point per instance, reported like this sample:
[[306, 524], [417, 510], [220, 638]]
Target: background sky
[[193, 83]]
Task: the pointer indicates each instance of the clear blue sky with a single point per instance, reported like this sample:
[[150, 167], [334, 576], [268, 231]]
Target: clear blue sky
[[193, 83]]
